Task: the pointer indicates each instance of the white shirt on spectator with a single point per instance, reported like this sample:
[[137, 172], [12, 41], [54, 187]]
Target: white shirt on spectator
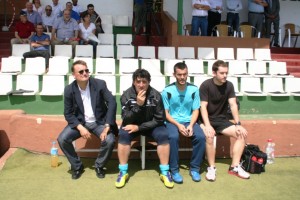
[[85, 32], [198, 12]]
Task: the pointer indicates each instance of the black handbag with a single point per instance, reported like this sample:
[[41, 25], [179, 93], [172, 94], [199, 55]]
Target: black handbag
[[253, 159]]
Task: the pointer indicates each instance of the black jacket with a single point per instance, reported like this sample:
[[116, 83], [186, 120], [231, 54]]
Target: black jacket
[[103, 103], [148, 116]]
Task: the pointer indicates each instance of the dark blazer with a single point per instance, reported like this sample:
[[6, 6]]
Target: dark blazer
[[274, 10], [103, 103]]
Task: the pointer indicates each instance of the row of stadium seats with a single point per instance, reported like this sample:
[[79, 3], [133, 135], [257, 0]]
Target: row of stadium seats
[[59, 65], [54, 85], [129, 51]]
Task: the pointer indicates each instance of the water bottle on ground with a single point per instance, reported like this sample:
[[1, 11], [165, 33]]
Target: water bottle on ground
[[54, 155], [270, 151]]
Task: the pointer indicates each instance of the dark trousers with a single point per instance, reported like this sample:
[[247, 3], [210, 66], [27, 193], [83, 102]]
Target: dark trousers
[[275, 23], [40, 53], [214, 18], [68, 135], [233, 20]]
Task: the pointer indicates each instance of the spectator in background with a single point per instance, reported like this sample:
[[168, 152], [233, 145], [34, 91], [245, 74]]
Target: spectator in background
[[74, 15], [39, 43], [233, 17], [76, 7], [86, 28], [95, 18], [24, 30], [33, 16], [182, 102], [199, 20], [256, 14], [214, 15], [57, 8], [272, 17], [140, 14], [37, 6], [48, 19], [65, 31]]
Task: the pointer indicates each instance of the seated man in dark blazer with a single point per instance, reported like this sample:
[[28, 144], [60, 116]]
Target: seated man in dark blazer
[[89, 107]]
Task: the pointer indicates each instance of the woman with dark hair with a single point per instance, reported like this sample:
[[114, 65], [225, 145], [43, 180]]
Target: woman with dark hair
[[37, 6], [86, 29]]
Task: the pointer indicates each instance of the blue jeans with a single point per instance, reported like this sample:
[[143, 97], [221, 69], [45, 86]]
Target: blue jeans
[[68, 135], [198, 142], [199, 22]]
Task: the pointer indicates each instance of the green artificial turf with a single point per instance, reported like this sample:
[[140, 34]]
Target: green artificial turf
[[29, 176]]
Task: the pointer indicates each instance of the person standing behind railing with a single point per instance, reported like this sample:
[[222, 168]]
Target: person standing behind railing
[[272, 17]]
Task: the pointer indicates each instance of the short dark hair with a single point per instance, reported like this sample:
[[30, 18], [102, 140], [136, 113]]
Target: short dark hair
[[84, 15], [78, 62], [90, 5], [217, 64], [141, 73], [179, 65]]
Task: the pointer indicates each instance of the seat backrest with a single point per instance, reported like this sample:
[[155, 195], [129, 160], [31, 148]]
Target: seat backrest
[[237, 67], [277, 68], [106, 38], [105, 51], [110, 82], [272, 84], [107, 28], [28, 82], [35, 66], [195, 67], [19, 49], [58, 66], [250, 84], [257, 67], [53, 85], [222, 30], [158, 82], [186, 53], [291, 27], [152, 66], [128, 65], [125, 51], [6, 83], [84, 51], [244, 54], [247, 31], [292, 84], [125, 83], [146, 52], [63, 50], [225, 53], [262, 54], [166, 53], [121, 20], [105, 66], [206, 53], [11, 65], [106, 19], [234, 81], [124, 39], [198, 80]]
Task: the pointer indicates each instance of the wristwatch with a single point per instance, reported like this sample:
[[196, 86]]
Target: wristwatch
[[238, 123], [106, 126]]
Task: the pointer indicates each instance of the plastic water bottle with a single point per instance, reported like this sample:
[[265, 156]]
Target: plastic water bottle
[[54, 155], [270, 151]]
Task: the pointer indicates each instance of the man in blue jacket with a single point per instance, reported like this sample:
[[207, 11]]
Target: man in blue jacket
[[89, 108]]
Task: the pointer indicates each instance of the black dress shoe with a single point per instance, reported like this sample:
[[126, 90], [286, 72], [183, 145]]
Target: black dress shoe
[[276, 45], [77, 173], [100, 172]]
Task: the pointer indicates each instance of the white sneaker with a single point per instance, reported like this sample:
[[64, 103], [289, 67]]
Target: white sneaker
[[211, 174], [239, 172]]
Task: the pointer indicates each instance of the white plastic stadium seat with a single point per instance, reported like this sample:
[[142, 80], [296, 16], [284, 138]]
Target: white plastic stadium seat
[[105, 66], [106, 38], [165, 53], [105, 51], [19, 49], [84, 51], [292, 85], [273, 86], [124, 39], [63, 50], [244, 54], [125, 51], [58, 66], [152, 66], [110, 82], [128, 65], [35, 66], [53, 85], [11, 65], [27, 83], [250, 86], [6, 83], [206, 53], [121, 20], [146, 52]]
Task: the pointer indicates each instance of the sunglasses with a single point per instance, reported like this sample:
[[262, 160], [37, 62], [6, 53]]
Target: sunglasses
[[84, 70], [48, 10]]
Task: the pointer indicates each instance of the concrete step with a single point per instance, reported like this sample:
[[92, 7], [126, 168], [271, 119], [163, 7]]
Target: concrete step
[[293, 68], [285, 56], [296, 74]]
